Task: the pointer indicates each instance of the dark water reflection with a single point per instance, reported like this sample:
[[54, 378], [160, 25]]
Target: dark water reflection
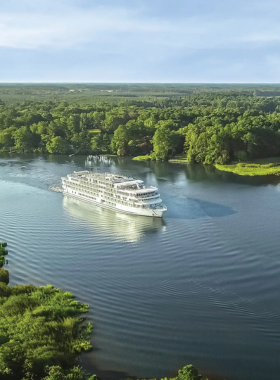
[[200, 286]]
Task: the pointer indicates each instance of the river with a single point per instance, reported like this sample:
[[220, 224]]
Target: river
[[200, 286]]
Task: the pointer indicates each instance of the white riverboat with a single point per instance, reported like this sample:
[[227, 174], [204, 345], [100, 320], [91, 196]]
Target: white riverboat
[[115, 192]]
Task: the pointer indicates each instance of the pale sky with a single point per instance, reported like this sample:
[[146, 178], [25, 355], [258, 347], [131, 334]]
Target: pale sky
[[166, 41]]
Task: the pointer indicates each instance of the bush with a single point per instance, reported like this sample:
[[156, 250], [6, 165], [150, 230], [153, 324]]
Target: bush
[[3, 251], [242, 155], [4, 276], [148, 157], [2, 261], [75, 373], [41, 326], [189, 372]]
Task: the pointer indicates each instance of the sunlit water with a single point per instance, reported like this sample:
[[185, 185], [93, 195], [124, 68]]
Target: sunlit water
[[200, 286]]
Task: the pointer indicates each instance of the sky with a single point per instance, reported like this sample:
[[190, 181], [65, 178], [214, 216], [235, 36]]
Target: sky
[[140, 41]]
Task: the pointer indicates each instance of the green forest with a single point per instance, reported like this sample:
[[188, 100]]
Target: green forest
[[204, 124], [43, 330]]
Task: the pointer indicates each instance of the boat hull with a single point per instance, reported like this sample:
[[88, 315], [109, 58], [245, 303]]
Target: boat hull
[[156, 213]]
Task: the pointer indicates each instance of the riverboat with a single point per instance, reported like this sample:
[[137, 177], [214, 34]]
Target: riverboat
[[115, 192]]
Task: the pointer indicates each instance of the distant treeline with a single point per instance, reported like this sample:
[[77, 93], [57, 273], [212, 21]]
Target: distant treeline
[[207, 127]]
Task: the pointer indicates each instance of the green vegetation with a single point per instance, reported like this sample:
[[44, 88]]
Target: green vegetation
[[147, 157], [269, 166], [189, 372], [206, 124], [94, 131], [4, 274], [41, 327], [179, 159], [42, 333]]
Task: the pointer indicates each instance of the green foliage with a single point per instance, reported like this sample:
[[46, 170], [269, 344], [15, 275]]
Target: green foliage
[[209, 125], [4, 276], [162, 142], [147, 157], [23, 139], [189, 372], [94, 131], [57, 145], [40, 327], [82, 141], [229, 137], [75, 373], [258, 167], [132, 138]]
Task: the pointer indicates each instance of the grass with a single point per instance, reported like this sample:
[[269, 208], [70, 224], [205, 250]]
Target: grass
[[262, 166], [143, 158], [94, 131], [179, 159]]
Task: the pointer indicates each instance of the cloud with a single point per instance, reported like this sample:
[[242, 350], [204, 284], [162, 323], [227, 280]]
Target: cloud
[[70, 25], [140, 39]]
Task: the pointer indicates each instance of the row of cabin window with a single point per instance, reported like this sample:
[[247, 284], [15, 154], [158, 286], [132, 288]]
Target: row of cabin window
[[117, 195], [138, 195], [125, 203]]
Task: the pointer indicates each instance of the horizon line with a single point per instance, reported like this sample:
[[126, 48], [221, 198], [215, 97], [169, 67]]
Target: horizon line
[[155, 83]]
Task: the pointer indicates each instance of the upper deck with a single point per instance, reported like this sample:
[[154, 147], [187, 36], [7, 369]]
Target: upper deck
[[123, 184]]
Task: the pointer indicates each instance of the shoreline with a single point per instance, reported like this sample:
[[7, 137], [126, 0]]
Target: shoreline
[[254, 168], [119, 374]]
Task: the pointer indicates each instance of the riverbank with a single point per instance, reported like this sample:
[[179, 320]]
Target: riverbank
[[147, 157], [259, 167], [181, 159]]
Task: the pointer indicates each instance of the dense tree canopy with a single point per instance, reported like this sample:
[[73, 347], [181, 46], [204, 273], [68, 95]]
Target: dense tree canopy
[[209, 127], [39, 328]]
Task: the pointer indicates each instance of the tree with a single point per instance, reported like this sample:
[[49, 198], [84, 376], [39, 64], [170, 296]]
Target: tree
[[23, 139], [120, 141], [75, 373], [4, 276], [189, 372], [7, 137], [41, 333], [57, 145], [82, 141], [100, 143], [162, 142]]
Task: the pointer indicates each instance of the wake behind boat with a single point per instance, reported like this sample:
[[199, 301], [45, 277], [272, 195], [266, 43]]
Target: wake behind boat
[[115, 192]]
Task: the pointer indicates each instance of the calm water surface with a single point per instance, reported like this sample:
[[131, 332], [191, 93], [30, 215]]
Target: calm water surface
[[200, 286]]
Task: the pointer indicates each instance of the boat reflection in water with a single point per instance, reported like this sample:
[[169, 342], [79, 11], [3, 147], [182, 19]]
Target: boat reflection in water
[[130, 228]]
